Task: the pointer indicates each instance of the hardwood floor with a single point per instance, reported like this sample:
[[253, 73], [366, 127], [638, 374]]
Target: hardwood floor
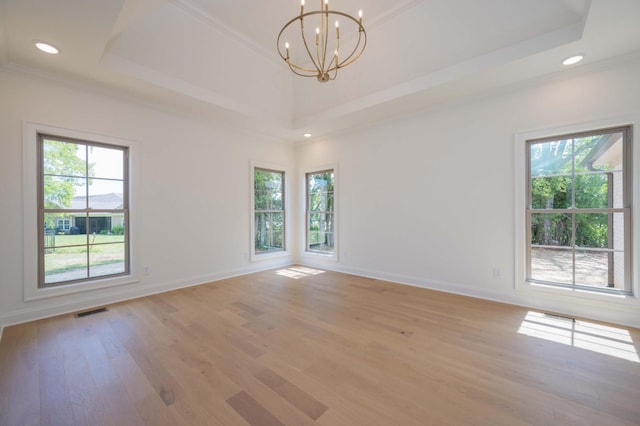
[[299, 346]]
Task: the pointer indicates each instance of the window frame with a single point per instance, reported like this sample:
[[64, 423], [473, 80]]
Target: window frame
[[572, 210], [86, 211], [275, 254], [333, 255], [31, 290], [521, 199]]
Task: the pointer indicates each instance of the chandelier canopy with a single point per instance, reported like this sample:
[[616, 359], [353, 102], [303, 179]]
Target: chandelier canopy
[[323, 56]]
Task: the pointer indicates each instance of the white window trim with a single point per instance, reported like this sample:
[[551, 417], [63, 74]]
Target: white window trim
[[258, 257], [310, 255], [521, 285], [30, 133]]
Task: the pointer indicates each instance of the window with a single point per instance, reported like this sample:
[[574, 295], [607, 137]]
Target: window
[[269, 211], [82, 211], [578, 215], [320, 217], [63, 224]]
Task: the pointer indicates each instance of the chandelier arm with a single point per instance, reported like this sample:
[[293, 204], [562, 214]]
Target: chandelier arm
[[349, 59], [303, 69], [334, 59], [293, 68], [325, 36], [304, 41]]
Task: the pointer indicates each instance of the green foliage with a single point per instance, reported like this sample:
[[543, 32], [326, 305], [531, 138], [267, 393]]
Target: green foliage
[[64, 169], [320, 192], [117, 230], [269, 204], [560, 180]]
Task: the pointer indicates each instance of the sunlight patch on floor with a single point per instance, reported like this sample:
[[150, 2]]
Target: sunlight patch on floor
[[297, 272], [599, 338]]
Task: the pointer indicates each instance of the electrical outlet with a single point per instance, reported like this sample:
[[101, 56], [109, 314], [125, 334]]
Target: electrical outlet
[[497, 273], [146, 270]]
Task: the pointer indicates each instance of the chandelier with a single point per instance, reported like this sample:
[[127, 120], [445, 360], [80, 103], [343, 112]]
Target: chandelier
[[322, 56]]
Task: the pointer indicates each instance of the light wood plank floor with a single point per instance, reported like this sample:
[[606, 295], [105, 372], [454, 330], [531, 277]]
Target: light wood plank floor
[[299, 347]]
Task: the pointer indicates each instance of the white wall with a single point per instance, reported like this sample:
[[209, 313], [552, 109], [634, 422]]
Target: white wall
[[429, 200], [192, 200]]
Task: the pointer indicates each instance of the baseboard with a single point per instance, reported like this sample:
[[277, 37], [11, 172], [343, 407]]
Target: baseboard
[[429, 284], [1, 329], [622, 315], [120, 294]]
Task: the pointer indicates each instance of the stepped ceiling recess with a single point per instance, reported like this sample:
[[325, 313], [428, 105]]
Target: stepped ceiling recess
[[217, 59]]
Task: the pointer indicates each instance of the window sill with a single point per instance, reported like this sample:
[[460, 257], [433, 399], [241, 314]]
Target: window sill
[[585, 294], [259, 257], [35, 293]]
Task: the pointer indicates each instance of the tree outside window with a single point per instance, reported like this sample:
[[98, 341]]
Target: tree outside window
[[578, 210], [269, 211], [320, 218]]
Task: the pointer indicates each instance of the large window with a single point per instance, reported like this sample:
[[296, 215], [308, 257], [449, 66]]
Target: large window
[[82, 211], [578, 212], [269, 211], [320, 217]]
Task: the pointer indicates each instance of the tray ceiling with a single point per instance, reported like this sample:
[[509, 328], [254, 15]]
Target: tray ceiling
[[217, 58]]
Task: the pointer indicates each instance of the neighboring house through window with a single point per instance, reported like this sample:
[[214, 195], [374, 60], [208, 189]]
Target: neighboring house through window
[[82, 210], [578, 210]]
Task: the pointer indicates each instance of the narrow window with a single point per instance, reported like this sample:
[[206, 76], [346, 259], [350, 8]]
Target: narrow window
[[320, 217], [579, 210], [82, 211], [269, 210]]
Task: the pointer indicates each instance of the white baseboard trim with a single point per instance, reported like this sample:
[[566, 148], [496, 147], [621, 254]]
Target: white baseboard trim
[[429, 284], [621, 315], [120, 294]]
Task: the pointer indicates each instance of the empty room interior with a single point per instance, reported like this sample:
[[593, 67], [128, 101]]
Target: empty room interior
[[342, 212]]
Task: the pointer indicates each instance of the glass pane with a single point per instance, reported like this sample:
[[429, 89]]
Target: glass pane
[[56, 236], [106, 162], [551, 229], [276, 201], [600, 152], [261, 200], [314, 239], [592, 230], [550, 158], [106, 259], [65, 263], [106, 194], [592, 268], [106, 227], [100, 224], [262, 236], [268, 189], [64, 192], [64, 158], [592, 191], [551, 192], [552, 265], [269, 229], [584, 149]]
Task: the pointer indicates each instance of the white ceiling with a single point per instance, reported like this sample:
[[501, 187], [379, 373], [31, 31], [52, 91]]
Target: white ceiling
[[217, 59]]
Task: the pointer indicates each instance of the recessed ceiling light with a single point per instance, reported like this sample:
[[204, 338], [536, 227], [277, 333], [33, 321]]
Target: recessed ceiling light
[[307, 135], [46, 47], [573, 60]]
